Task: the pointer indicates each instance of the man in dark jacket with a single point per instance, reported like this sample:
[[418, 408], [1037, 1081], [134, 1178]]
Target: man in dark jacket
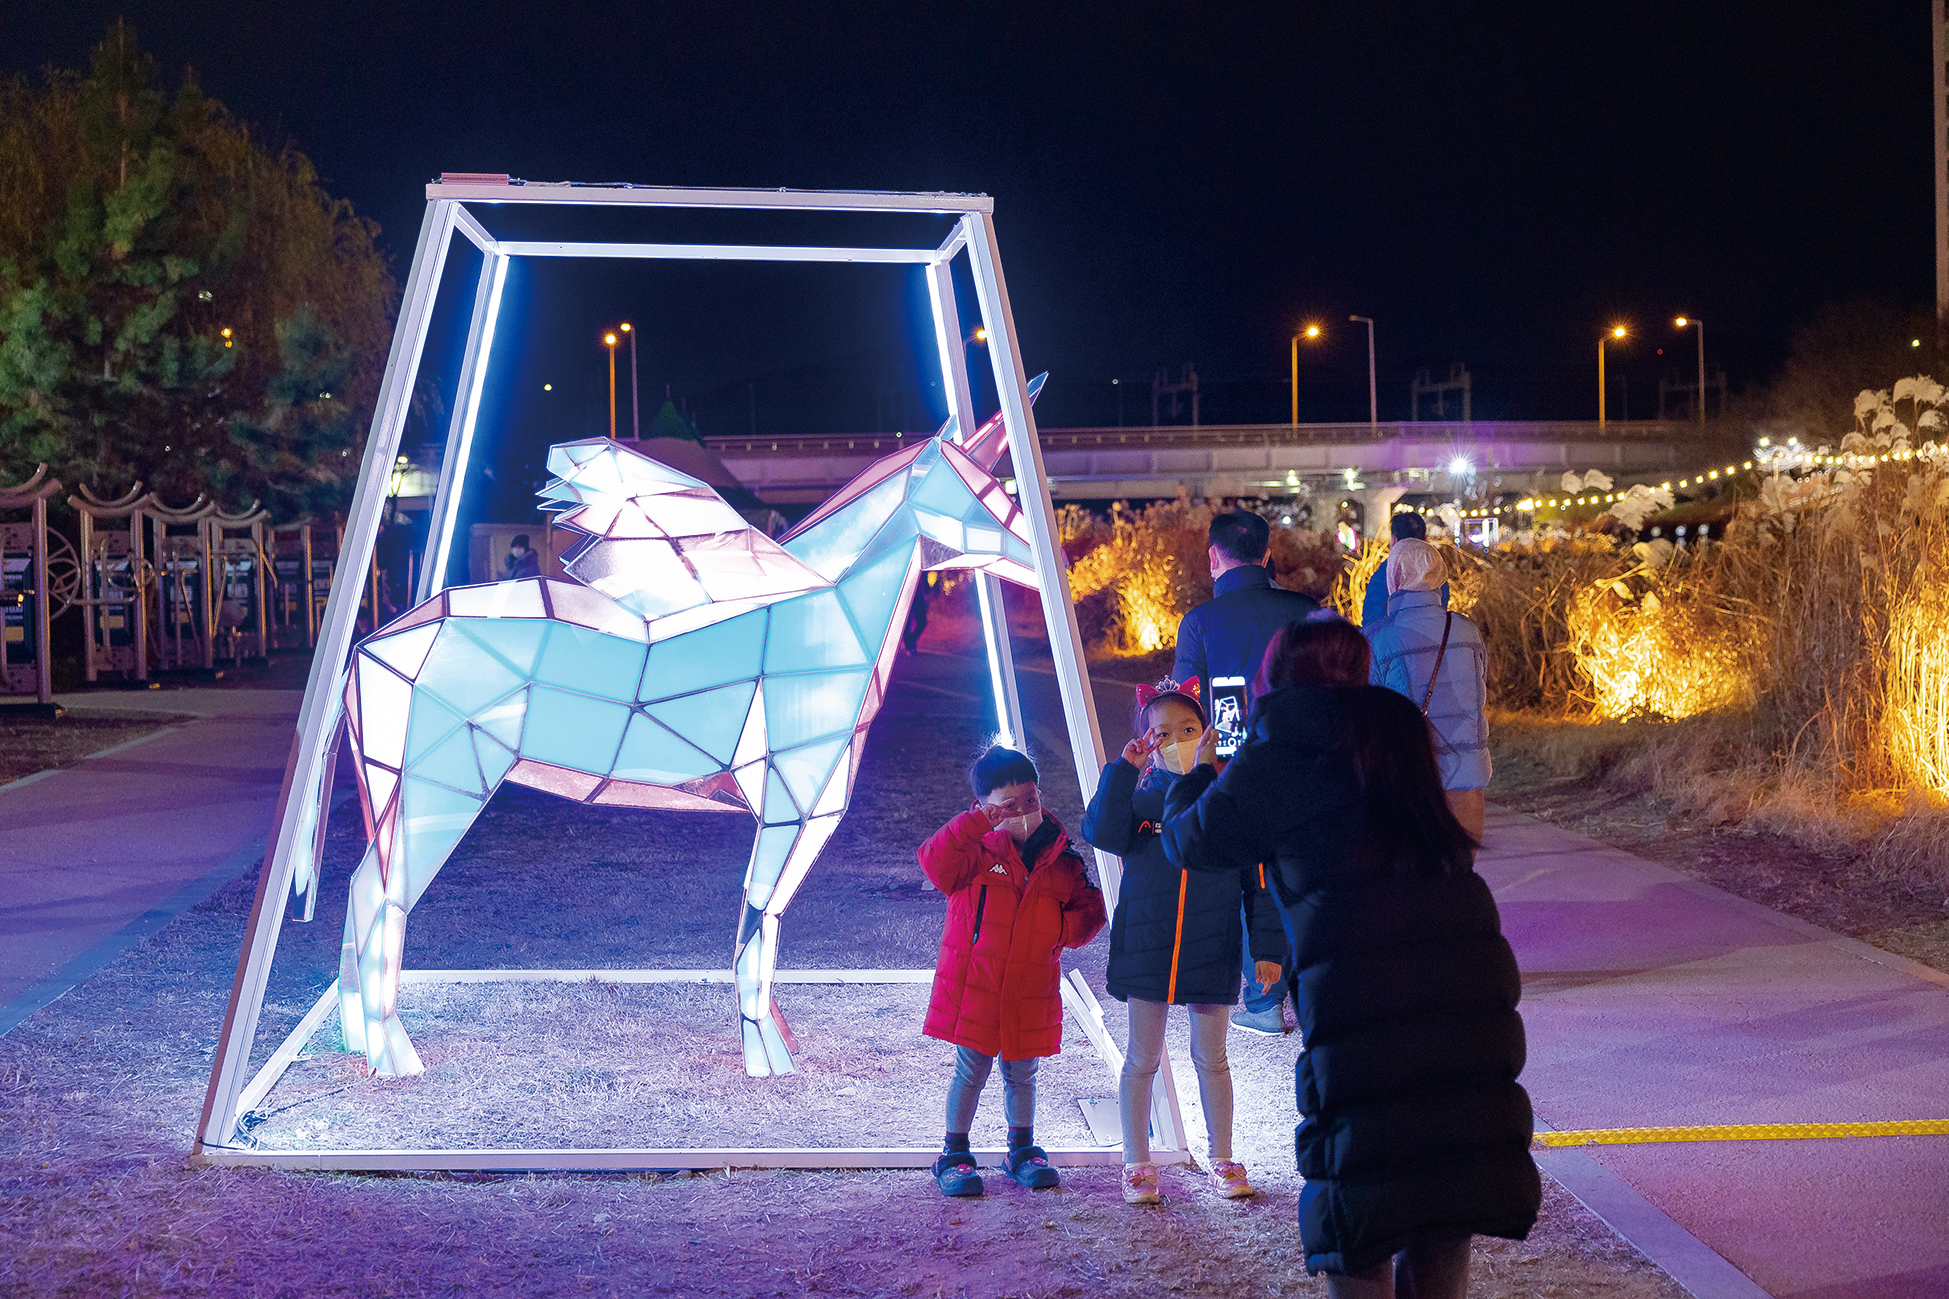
[[1226, 636]]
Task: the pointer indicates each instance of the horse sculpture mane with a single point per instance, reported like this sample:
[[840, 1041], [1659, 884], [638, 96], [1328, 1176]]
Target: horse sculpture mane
[[693, 662]]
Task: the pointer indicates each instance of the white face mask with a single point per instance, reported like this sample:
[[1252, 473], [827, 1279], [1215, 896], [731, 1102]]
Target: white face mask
[[1021, 827], [1178, 757]]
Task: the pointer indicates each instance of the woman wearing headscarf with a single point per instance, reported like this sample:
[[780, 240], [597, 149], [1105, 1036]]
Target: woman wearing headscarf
[[1414, 1134], [1436, 660]]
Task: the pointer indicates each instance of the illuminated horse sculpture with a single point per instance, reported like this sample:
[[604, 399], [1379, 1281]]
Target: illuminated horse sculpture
[[693, 663]]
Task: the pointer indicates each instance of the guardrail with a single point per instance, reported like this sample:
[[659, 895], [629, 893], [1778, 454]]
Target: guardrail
[[1453, 431]]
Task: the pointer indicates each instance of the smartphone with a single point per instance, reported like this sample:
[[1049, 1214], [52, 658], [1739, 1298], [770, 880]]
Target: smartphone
[[1228, 713]]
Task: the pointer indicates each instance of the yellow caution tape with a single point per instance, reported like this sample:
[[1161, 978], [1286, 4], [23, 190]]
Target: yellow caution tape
[[1746, 1132]]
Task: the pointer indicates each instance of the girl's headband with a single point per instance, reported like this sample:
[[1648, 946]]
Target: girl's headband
[[1147, 695]]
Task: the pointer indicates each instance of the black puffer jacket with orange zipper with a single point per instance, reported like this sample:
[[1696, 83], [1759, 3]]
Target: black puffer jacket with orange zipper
[[1175, 935]]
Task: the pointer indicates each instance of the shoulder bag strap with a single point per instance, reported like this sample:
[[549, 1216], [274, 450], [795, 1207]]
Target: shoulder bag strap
[[1447, 625]]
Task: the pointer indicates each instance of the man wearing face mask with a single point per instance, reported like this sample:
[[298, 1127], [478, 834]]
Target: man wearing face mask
[[1226, 636]]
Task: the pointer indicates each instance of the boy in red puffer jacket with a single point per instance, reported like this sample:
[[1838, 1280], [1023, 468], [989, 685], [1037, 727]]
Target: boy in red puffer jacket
[[1016, 896]]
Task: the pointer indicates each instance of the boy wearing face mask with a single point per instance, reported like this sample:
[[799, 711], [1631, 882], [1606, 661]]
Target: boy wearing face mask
[[1017, 894], [1175, 937]]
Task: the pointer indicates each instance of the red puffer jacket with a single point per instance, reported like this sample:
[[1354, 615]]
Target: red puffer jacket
[[995, 985]]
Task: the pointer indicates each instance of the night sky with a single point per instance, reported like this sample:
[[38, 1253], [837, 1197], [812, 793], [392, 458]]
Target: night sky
[[1172, 183]]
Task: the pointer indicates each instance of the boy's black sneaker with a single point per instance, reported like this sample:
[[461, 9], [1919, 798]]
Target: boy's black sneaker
[[1029, 1165], [954, 1173]]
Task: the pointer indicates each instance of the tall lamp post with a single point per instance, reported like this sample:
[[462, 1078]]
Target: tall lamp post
[[609, 341], [635, 407], [1373, 393], [1617, 331], [1682, 322], [1311, 331]]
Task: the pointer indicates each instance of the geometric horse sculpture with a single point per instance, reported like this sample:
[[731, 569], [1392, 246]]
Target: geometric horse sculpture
[[693, 663]]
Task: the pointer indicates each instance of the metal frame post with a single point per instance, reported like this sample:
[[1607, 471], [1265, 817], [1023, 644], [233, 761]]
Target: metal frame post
[[460, 431], [299, 801]]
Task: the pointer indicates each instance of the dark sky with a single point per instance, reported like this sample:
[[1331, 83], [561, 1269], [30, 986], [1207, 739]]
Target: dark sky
[[1493, 184]]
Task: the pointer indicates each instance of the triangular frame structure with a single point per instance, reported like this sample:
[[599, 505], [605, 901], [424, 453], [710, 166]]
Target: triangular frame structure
[[231, 1095]]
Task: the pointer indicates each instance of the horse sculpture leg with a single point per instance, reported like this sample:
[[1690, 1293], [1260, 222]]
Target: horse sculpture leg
[[780, 858]]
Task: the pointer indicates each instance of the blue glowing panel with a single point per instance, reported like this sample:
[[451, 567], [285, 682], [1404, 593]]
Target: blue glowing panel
[[495, 758], [812, 705], [807, 769], [591, 662], [768, 856], [712, 720], [503, 721], [943, 491], [451, 762], [811, 631], [431, 722], [778, 801], [466, 675], [514, 641], [709, 656], [431, 821], [653, 755], [941, 528], [830, 545], [871, 592], [572, 731]]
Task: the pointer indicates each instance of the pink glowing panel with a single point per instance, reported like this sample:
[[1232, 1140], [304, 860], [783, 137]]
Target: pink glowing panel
[[588, 608], [597, 517], [875, 474], [497, 600], [973, 475], [630, 521], [704, 615], [689, 514], [576, 785], [622, 793], [746, 565], [646, 577], [431, 611]]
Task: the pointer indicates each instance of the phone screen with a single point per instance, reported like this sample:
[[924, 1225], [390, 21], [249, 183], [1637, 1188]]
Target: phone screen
[[1228, 713]]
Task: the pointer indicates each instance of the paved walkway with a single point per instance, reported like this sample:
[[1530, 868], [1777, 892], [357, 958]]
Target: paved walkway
[[101, 853]]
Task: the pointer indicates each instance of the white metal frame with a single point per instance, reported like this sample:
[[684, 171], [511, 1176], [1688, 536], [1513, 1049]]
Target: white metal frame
[[230, 1096]]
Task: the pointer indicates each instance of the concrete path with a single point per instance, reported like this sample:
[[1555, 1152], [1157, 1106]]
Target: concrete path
[[1652, 1000], [96, 855]]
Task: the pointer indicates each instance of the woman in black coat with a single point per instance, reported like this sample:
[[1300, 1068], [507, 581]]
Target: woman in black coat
[[1175, 937], [1414, 1134]]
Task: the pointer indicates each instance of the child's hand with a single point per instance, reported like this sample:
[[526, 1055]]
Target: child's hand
[[1208, 747], [1267, 973], [1139, 750]]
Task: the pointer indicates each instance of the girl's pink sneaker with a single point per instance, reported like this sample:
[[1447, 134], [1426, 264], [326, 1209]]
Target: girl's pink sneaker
[[1228, 1179], [1140, 1184]]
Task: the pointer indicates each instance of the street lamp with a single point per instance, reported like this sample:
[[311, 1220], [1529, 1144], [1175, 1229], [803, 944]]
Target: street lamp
[[1373, 393], [1311, 331], [609, 341], [1617, 331], [1682, 322], [635, 407]]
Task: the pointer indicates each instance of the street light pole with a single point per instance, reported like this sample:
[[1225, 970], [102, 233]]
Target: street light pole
[[1311, 331], [609, 341], [635, 407], [1373, 392], [1617, 331], [1682, 322]]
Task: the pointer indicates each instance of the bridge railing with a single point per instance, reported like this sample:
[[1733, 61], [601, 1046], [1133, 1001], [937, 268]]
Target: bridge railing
[[1259, 435]]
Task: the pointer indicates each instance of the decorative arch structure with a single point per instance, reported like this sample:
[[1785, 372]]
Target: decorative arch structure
[[233, 1094]]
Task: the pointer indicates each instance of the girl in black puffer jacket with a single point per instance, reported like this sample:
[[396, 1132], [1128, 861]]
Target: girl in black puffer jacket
[[1174, 938], [1414, 1134]]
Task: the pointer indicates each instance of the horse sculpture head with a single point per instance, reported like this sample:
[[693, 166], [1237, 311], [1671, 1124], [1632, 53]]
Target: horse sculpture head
[[692, 662]]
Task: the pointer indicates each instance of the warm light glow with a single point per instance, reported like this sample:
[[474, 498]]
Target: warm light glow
[[548, 387], [981, 335], [1312, 331], [1681, 322], [1915, 342], [226, 331], [1617, 331], [1459, 465], [609, 339], [624, 326], [1917, 717], [1670, 658]]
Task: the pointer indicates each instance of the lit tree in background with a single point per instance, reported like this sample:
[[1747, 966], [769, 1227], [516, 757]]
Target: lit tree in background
[[178, 303]]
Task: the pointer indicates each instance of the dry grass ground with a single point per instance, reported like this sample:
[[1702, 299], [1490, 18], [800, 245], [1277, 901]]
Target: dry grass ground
[[99, 1095], [31, 744]]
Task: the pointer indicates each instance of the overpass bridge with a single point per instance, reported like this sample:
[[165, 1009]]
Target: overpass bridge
[[1375, 463]]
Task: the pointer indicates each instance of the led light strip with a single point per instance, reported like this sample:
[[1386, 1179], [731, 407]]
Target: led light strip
[[1746, 1132]]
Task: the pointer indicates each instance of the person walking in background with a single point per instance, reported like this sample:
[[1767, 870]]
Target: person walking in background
[[1373, 604], [1017, 894], [521, 561], [1435, 658], [1174, 940], [1414, 1134], [1226, 636]]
